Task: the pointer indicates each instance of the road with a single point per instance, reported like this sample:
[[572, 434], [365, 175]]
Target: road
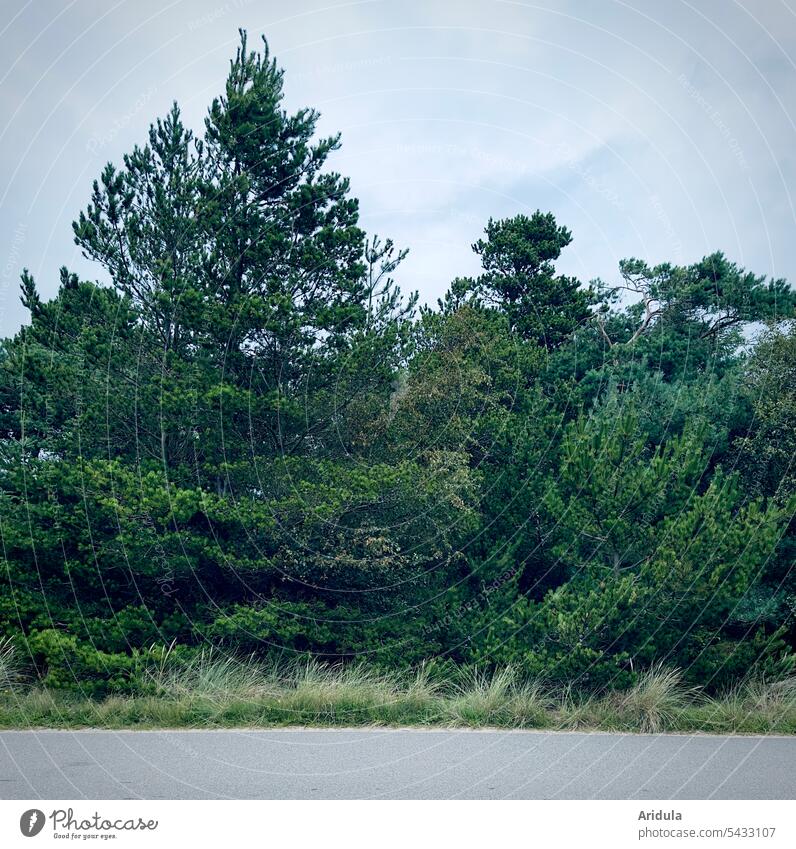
[[391, 764]]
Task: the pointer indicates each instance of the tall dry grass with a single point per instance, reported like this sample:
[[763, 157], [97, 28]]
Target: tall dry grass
[[656, 700], [754, 704], [9, 664], [213, 689]]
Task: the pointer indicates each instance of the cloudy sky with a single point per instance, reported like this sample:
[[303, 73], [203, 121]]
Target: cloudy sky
[[657, 130]]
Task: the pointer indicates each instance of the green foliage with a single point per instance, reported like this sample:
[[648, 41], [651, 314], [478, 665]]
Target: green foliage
[[65, 663], [769, 447], [713, 295], [519, 279], [245, 443]]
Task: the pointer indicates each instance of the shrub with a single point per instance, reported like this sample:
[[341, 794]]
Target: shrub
[[65, 663]]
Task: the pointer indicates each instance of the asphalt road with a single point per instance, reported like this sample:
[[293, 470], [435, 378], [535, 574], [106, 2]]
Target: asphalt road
[[391, 764]]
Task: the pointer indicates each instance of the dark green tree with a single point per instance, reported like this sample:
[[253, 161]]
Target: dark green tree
[[711, 297], [518, 256]]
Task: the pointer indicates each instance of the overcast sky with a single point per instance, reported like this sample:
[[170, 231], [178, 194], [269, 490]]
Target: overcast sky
[[657, 130]]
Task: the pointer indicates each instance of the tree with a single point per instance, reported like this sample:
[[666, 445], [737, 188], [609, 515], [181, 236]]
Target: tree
[[68, 380], [766, 451], [612, 488], [519, 278], [712, 296], [769, 448], [244, 257]]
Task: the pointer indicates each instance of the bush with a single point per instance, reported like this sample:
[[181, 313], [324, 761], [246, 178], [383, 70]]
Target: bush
[[65, 663]]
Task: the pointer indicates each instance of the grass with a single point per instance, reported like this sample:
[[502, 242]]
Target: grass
[[216, 691], [656, 700], [9, 667], [212, 676], [498, 699]]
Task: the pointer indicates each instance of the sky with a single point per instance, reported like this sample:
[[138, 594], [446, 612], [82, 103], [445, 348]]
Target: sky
[[663, 131]]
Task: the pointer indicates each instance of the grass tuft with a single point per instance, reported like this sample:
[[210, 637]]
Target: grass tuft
[[755, 705], [654, 703], [213, 690], [498, 698], [212, 676], [9, 664]]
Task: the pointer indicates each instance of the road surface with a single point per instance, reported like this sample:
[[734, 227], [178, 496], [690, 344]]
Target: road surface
[[391, 764]]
